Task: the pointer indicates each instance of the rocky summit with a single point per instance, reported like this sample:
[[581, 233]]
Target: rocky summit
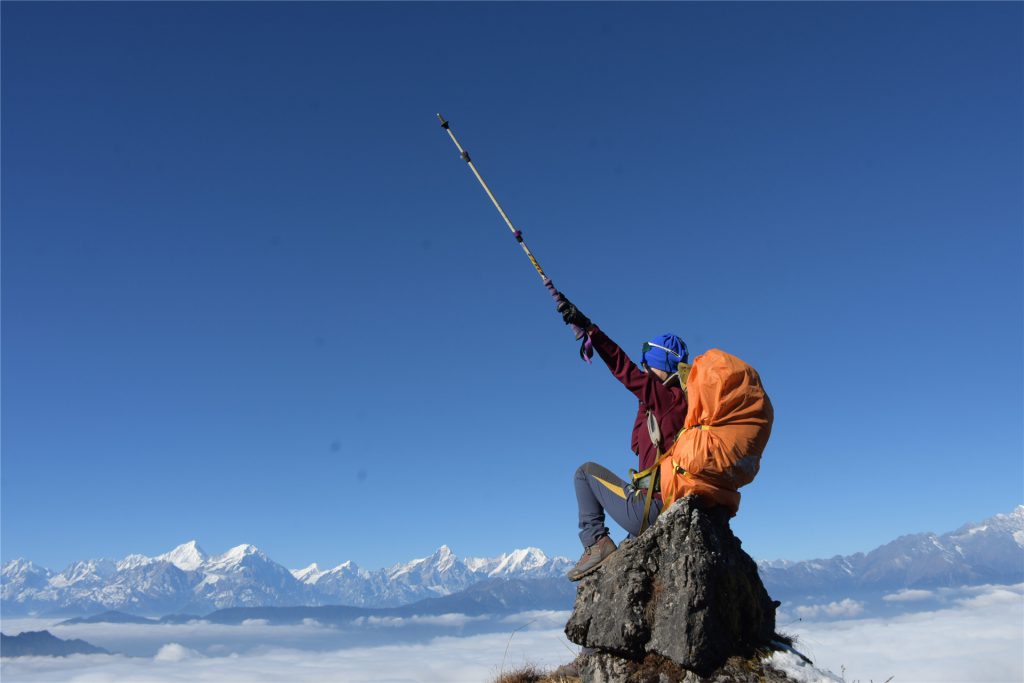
[[683, 596]]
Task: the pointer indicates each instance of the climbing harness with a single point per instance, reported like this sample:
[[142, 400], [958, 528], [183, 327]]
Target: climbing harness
[[586, 349]]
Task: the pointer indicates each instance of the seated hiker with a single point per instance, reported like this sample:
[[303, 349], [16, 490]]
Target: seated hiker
[[660, 415]]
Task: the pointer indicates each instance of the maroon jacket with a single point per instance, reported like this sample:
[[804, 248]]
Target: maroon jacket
[[667, 403]]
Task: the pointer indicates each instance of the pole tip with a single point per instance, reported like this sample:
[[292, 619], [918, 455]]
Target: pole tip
[[444, 124]]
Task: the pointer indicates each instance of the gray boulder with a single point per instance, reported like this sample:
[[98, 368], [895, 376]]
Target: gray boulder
[[684, 593]]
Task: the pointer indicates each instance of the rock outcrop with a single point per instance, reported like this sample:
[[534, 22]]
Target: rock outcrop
[[684, 594], [606, 668]]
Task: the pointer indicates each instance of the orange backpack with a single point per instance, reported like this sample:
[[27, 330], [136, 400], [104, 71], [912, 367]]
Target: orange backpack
[[728, 422]]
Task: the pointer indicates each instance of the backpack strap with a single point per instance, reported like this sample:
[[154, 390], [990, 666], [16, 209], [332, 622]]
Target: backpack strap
[[650, 495], [653, 473]]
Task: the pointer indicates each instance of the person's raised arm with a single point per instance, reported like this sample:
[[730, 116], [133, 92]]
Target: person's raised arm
[[645, 386]]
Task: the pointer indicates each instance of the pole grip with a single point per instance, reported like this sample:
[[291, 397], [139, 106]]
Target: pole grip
[[586, 348]]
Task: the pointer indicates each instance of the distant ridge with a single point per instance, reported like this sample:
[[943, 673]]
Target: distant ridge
[[109, 617], [44, 644]]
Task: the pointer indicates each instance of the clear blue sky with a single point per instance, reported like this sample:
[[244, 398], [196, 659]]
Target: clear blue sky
[[251, 294]]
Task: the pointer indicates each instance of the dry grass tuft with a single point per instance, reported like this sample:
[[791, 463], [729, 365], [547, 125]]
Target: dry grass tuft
[[532, 674], [527, 674]]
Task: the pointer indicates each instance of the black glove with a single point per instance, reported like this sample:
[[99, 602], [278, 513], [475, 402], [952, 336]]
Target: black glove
[[572, 315]]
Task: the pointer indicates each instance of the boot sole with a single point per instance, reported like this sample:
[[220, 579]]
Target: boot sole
[[588, 572]]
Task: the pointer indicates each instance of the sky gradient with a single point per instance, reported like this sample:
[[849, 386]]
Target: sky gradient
[[251, 295]]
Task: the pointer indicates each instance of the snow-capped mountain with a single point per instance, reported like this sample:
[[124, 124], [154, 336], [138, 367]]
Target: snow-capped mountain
[[440, 574], [310, 574], [345, 584], [989, 552], [22, 580], [187, 579], [186, 557], [87, 573], [528, 562], [245, 577]]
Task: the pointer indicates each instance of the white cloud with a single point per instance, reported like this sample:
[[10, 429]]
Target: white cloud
[[446, 619], [1010, 595], [969, 591], [173, 652], [453, 620], [843, 609], [908, 595], [538, 619]]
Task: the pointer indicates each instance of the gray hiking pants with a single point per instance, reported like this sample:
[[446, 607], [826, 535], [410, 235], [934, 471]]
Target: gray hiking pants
[[600, 491]]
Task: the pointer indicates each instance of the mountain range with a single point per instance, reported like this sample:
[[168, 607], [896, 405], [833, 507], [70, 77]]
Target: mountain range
[[188, 580], [991, 551]]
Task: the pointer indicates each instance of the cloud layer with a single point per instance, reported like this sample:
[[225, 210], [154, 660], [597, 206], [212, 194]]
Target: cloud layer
[[473, 659], [979, 636]]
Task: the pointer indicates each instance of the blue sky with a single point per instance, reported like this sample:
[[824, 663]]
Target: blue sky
[[251, 294]]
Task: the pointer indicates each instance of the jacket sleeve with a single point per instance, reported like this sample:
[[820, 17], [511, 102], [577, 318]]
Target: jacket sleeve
[[646, 387]]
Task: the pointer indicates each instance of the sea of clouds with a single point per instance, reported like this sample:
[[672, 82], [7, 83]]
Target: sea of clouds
[[977, 634]]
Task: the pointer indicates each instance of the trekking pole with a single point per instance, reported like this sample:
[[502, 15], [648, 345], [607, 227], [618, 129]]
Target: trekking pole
[[586, 350]]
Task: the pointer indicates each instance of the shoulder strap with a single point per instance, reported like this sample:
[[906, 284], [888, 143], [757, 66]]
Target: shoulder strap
[[650, 495], [654, 430]]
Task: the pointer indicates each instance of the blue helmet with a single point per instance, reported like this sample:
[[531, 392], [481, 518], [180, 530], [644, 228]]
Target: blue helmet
[[665, 352]]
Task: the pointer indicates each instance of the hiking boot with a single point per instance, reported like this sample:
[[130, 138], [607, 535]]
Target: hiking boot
[[592, 558]]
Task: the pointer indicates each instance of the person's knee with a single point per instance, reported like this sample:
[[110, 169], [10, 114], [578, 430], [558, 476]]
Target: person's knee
[[583, 470]]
